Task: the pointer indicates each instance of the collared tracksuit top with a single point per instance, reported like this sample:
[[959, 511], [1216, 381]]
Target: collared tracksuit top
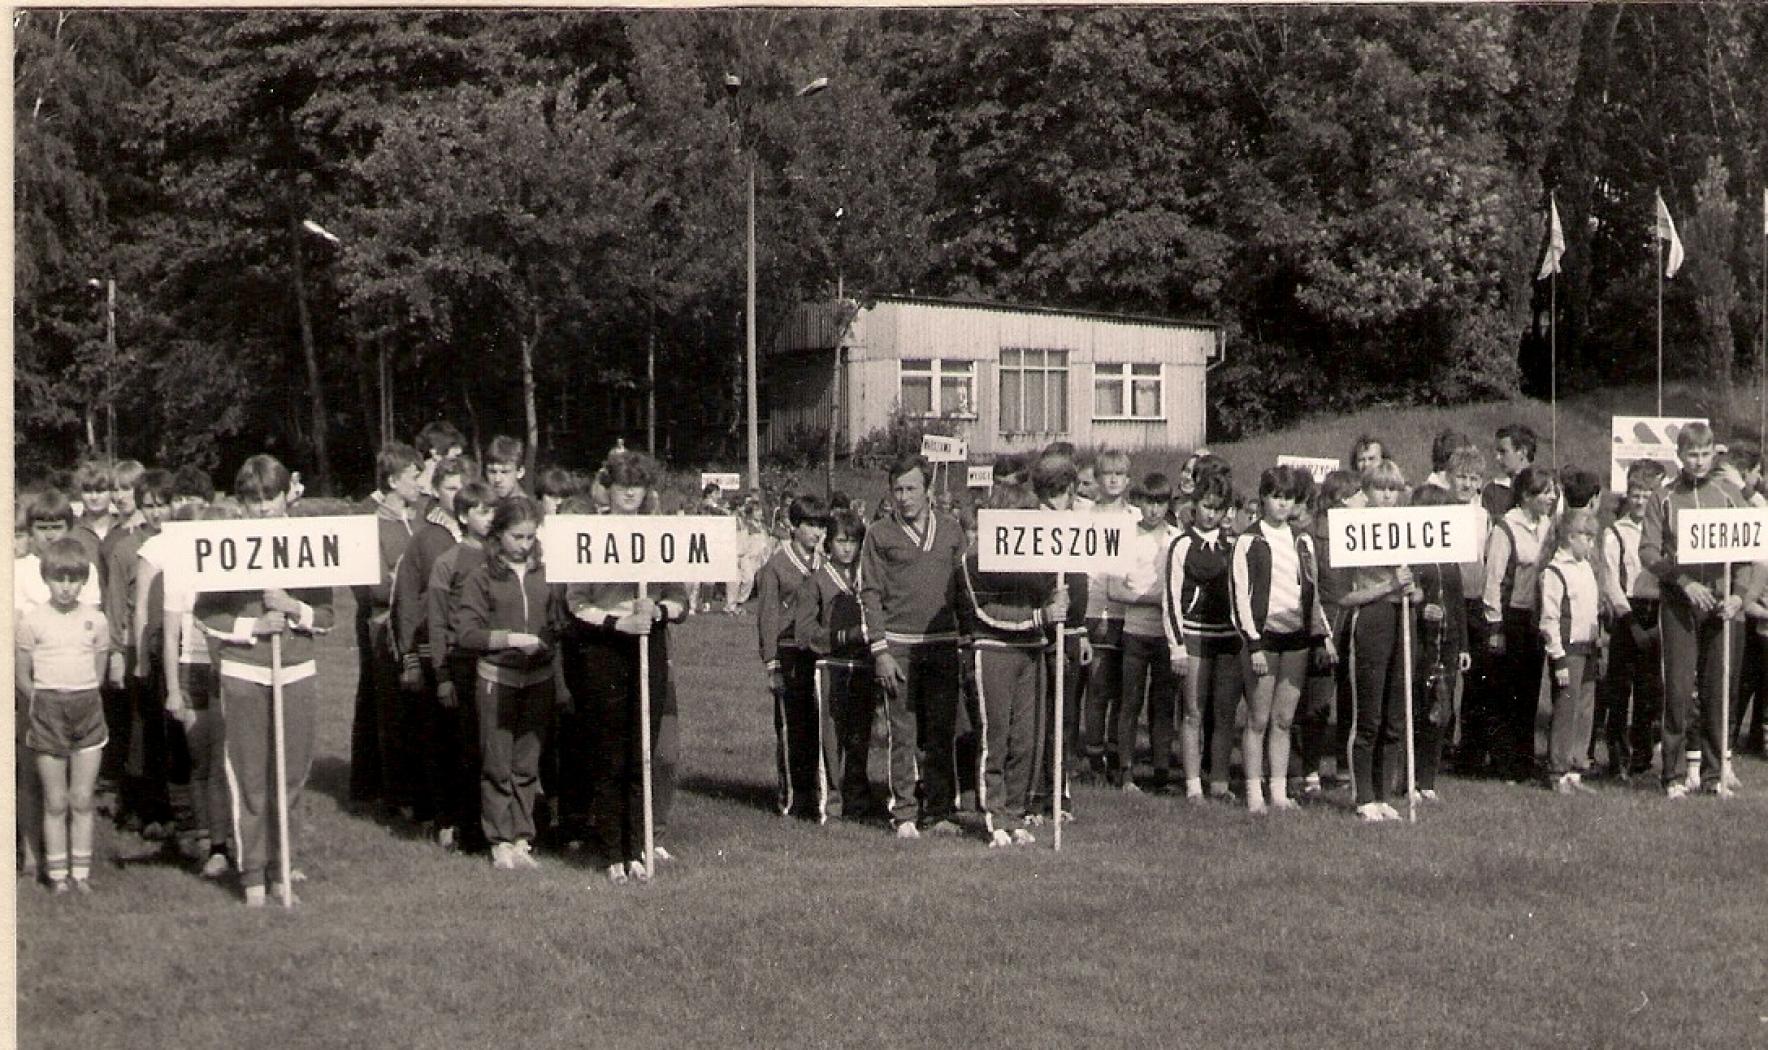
[[1657, 542], [1515, 551], [827, 615], [1273, 578], [497, 601], [228, 618], [1139, 592], [778, 583], [1199, 602], [411, 580], [442, 596], [909, 580], [1004, 610], [1099, 604]]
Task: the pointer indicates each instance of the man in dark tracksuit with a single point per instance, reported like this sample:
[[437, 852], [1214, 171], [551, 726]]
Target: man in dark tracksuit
[[1693, 610], [908, 571]]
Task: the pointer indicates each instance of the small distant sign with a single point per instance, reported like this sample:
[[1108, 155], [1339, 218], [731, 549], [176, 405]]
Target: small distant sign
[[1633, 438], [639, 548], [979, 477], [730, 482], [1317, 466], [941, 449], [259, 553], [1377, 536], [1053, 541], [1708, 537]]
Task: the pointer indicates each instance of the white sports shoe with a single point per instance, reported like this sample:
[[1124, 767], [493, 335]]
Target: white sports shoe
[[1371, 813], [523, 855], [1676, 791], [1388, 811], [216, 866], [907, 830], [999, 839], [1021, 837], [503, 856]]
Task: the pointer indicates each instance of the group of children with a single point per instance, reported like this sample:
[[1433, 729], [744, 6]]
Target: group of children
[[1232, 627], [492, 705]]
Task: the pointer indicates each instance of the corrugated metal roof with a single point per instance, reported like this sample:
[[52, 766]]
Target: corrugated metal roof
[[1091, 315]]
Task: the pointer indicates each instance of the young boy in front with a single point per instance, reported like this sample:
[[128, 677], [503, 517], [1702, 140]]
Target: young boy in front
[[397, 469], [1104, 627], [240, 625], [1630, 694], [62, 646], [790, 666], [455, 750], [828, 625], [1693, 611]]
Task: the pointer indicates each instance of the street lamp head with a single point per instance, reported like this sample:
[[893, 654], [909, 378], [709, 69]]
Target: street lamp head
[[93, 282], [819, 84]]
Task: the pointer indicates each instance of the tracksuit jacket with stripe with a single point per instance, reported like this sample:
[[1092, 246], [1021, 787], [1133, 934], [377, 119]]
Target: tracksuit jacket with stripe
[[779, 582], [1199, 602], [827, 615], [1268, 601], [494, 603], [909, 580]]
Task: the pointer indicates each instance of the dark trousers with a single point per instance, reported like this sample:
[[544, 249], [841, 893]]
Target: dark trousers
[[1377, 752], [251, 765], [1428, 737], [846, 698], [1694, 652], [512, 729], [1104, 683], [393, 734], [1074, 691], [147, 766], [1517, 677], [1010, 690], [922, 718], [1479, 726], [1747, 707], [1630, 695], [796, 729], [458, 753], [365, 738], [1313, 721], [1147, 678], [610, 703]]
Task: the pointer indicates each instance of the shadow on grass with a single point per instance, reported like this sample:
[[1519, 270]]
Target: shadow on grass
[[747, 793], [330, 777]]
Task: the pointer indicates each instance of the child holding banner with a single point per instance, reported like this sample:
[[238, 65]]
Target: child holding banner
[[506, 617], [829, 625], [240, 625], [1377, 659], [1056, 485], [1570, 625], [1005, 614], [1694, 611], [790, 666], [1274, 578], [619, 621], [1200, 634]]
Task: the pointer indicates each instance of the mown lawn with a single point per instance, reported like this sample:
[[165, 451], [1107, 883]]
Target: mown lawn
[[1506, 917]]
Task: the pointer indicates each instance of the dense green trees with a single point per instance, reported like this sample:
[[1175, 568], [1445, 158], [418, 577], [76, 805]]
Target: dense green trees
[[528, 206]]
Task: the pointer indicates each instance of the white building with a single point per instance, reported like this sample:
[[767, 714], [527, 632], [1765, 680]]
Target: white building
[[1009, 378]]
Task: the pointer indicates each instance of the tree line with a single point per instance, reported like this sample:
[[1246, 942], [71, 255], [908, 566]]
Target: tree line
[[323, 227]]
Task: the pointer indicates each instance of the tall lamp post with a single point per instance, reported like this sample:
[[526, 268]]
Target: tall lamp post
[[733, 84]]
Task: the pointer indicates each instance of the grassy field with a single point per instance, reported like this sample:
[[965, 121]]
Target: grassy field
[[1507, 917]]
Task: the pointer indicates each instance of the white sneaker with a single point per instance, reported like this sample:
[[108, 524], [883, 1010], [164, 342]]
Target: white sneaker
[[523, 855], [1371, 813], [216, 866], [999, 839], [503, 856], [1429, 795], [617, 874], [1388, 811], [659, 854], [637, 869], [1676, 791], [1729, 779], [907, 830], [1284, 802], [1021, 837], [1723, 790]]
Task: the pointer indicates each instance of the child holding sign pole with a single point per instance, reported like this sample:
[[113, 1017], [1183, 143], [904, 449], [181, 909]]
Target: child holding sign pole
[[622, 619], [1695, 611], [253, 632], [846, 690]]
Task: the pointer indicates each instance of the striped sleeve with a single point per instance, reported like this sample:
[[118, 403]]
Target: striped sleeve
[[1174, 597], [1240, 580]]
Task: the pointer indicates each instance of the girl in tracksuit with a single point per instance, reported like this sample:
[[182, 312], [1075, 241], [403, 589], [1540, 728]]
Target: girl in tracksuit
[[1377, 679], [1006, 615], [844, 687], [1200, 634], [1516, 549], [1570, 606], [1274, 577], [506, 618], [618, 621]]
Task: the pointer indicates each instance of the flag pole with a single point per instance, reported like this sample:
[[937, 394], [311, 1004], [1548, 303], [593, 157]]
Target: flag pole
[[1658, 260], [1762, 334], [1553, 357]]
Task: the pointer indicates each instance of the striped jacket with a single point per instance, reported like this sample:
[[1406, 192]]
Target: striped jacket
[[1004, 610], [228, 618], [1254, 584], [1199, 601], [909, 580], [494, 603], [778, 583], [827, 614]]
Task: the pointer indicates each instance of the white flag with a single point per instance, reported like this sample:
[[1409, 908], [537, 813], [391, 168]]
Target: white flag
[[1555, 241], [1666, 231]]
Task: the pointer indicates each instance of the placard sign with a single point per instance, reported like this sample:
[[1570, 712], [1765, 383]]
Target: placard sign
[[730, 482], [1733, 534], [1634, 438], [940, 449], [258, 553], [1318, 466], [979, 477], [1053, 541], [639, 548], [1377, 536]]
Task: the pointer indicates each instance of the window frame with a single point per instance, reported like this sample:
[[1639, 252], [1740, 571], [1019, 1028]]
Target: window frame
[[1123, 374], [938, 370], [1044, 370]]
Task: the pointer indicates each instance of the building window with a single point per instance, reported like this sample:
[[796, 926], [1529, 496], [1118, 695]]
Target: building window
[[954, 380], [1128, 392], [1034, 391]]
